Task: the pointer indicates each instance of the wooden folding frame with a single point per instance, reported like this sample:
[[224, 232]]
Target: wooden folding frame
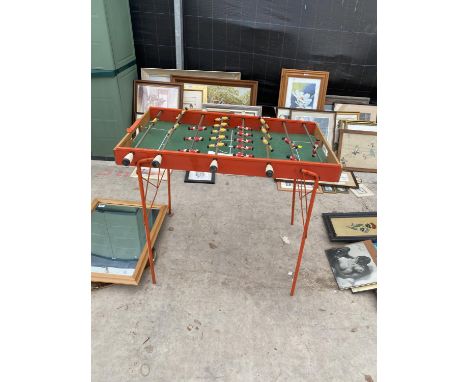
[[143, 259]]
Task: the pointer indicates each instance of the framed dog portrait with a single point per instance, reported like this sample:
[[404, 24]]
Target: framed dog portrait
[[303, 89]]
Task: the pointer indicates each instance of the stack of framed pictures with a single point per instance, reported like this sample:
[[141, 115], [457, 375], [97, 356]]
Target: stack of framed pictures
[[347, 181], [164, 75], [152, 93], [233, 109]]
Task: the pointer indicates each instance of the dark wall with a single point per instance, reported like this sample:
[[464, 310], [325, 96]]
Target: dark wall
[[259, 37]]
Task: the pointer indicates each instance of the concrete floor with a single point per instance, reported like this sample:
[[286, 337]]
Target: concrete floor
[[221, 309]]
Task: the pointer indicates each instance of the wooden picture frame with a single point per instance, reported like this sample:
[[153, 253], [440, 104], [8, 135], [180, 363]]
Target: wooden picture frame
[[343, 116], [286, 185], [350, 183], [360, 224], [134, 279], [359, 125], [233, 109], [164, 75], [331, 99], [287, 98], [363, 110], [211, 175], [205, 81], [315, 116], [351, 155], [175, 102]]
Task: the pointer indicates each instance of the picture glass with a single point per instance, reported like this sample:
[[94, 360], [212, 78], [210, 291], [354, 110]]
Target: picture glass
[[220, 94], [355, 226], [200, 176], [302, 93], [193, 99], [117, 238], [352, 265], [159, 96], [283, 113], [358, 151], [324, 121]]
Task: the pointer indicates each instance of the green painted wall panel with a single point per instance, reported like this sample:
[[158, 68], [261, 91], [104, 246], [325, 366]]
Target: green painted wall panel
[[111, 34], [111, 110]]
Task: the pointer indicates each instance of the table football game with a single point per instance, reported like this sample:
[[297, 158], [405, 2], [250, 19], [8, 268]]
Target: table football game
[[197, 140]]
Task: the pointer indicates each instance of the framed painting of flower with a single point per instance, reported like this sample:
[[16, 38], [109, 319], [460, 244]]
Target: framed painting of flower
[[303, 89]]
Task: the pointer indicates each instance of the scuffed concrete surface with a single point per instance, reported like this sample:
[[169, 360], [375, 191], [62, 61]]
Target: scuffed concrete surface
[[221, 309]]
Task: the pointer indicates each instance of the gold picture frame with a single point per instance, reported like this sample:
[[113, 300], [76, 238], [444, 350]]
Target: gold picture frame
[[357, 150]]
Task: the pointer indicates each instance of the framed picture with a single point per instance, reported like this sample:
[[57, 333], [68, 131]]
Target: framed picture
[[118, 243], [354, 265], [362, 191], [220, 91], [193, 99], [288, 186], [326, 121], [343, 116], [151, 93], [328, 189], [164, 75], [347, 180], [366, 112], [282, 112], [359, 125], [331, 99], [156, 173], [352, 226], [357, 150], [303, 89], [233, 109], [342, 190], [199, 177]]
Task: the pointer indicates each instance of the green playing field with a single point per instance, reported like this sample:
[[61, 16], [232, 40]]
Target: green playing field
[[156, 139]]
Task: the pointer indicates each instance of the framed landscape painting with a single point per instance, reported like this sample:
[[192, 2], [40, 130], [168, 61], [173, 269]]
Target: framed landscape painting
[[303, 89], [235, 92]]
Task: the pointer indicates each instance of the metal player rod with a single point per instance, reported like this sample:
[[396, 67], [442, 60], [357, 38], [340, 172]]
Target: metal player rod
[[289, 139], [308, 134], [158, 158], [196, 134], [269, 168], [214, 162], [153, 123]]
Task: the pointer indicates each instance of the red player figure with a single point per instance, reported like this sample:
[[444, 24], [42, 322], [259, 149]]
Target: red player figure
[[241, 134], [287, 140], [244, 128], [189, 150], [244, 155], [291, 157], [196, 139], [240, 147], [244, 140], [201, 128]]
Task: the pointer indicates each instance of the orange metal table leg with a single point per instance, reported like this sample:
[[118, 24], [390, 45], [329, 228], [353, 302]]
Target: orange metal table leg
[[293, 202], [145, 220], [306, 227], [169, 190]]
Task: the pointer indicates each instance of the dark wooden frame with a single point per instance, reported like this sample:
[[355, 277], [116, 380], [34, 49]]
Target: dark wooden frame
[[212, 181], [327, 216], [155, 83], [318, 75], [342, 132], [252, 85]]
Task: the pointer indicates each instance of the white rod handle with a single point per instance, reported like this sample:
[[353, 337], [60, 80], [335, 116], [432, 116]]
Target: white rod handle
[[269, 170], [157, 161], [127, 159], [214, 165]]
